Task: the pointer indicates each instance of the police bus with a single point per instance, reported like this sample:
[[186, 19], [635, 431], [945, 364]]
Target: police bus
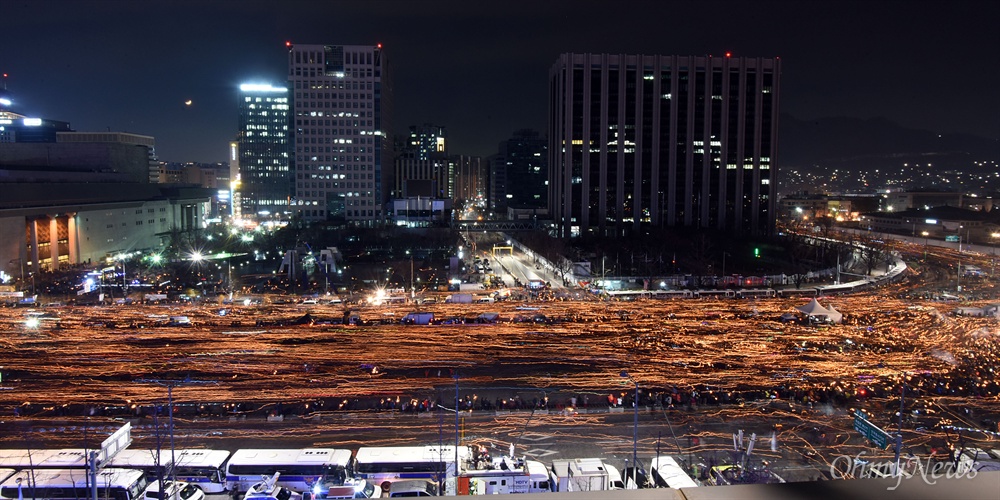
[[73, 484], [383, 465], [204, 469], [300, 469]]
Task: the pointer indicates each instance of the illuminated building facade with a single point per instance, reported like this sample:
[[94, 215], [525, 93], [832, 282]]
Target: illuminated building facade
[[265, 186], [658, 141], [342, 149]]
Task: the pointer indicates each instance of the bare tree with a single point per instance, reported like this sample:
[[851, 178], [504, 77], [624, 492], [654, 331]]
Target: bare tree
[[873, 250]]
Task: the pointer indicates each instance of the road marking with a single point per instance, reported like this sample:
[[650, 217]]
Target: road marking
[[540, 452], [535, 436]]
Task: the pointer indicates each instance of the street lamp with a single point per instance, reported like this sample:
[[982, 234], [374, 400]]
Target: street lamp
[[635, 429], [925, 235]]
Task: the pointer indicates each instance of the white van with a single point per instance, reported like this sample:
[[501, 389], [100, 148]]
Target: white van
[[413, 488], [173, 491], [352, 488]]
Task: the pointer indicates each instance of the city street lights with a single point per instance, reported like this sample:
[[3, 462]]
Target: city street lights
[[635, 428]]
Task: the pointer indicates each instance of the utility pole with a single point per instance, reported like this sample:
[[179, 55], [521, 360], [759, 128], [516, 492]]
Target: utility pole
[[169, 384], [899, 428], [635, 429]]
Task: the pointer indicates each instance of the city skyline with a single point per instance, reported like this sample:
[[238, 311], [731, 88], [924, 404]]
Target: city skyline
[[480, 70]]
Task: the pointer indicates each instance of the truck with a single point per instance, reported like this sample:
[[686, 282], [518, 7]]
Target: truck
[[584, 474], [418, 318], [459, 298], [507, 476]]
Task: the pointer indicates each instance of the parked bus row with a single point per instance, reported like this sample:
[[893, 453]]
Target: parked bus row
[[314, 472], [743, 294]]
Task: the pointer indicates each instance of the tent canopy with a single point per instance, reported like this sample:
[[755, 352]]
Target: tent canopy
[[813, 308], [834, 315]]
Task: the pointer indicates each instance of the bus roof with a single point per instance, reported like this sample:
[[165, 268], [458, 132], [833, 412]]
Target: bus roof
[[67, 458], [140, 458], [318, 456], [201, 458], [73, 478], [185, 458], [402, 454]]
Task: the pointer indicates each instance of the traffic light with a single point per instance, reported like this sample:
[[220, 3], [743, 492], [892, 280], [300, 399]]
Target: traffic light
[[756, 252]]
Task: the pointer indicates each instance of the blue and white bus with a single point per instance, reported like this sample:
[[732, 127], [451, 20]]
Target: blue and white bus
[[204, 469], [300, 469], [383, 465], [74, 484]]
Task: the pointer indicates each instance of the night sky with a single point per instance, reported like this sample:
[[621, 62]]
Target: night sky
[[480, 68]]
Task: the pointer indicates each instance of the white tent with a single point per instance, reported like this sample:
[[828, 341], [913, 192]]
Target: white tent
[[834, 315], [813, 308]]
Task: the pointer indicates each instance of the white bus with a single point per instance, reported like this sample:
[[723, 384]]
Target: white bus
[[65, 458], [383, 465], [668, 474], [5, 473], [300, 469], [74, 484], [204, 469]]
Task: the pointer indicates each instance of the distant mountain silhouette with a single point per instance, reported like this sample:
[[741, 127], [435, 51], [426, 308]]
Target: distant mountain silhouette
[[855, 143]]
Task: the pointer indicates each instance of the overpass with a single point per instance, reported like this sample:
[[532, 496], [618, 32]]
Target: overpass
[[494, 225]]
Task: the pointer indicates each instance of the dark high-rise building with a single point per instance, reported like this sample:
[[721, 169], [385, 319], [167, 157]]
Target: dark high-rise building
[[432, 177], [656, 141], [519, 172], [342, 150], [265, 183], [426, 140]]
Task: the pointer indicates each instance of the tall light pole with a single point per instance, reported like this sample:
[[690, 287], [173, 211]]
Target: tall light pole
[[121, 258], [635, 429], [413, 290], [993, 261], [958, 270], [925, 234]]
